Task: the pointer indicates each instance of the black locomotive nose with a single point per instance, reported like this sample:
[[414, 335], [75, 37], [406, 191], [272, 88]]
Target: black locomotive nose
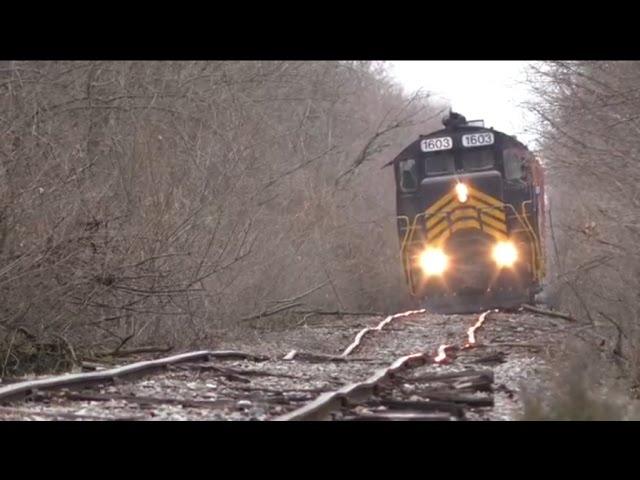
[[471, 277], [471, 268]]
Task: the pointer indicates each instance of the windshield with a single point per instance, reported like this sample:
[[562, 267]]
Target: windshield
[[477, 159], [440, 163], [471, 160]]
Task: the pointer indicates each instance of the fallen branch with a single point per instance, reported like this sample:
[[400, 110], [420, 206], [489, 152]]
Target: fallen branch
[[455, 376], [99, 397], [421, 406], [322, 357], [481, 383], [135, 351], [89, 365], [259, 373], [340, 313], [280, 391], [302, 295], [244, 372], [506, 344], [469, 400], [309, 312], [226, 372], [549, 313], [267, 313], [230, 374], [493, 358], [334, 327], [400, 416], [124, 340], [24, 412]]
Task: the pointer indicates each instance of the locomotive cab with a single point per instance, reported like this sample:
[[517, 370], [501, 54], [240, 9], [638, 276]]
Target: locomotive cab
[[469, 202]]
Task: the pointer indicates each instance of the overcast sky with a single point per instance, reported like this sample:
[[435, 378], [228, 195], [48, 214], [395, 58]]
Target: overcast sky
[[489, 90]]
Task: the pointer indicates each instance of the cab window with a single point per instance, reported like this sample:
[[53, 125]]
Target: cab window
[[440, 163], [513, 165], [408, 175], [475, 159]]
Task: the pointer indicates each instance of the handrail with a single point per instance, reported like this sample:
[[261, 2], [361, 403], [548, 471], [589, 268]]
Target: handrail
[[527, 228], [540, 264], [409, 239], [406, 233], [405, 264]]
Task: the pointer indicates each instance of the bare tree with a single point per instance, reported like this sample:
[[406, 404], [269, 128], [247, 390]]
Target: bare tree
[[589, 114], [149, 202]]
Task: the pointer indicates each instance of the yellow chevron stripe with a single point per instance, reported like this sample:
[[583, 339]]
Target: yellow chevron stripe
[[491, 226], [495, 233], [465, 224], [441, 203], [492, 201], [480, 196], [436, 217], [495, 210], [446, 233], [488, 210], [461, 225], [487, 220], [484, 197], [434, 232], [463, 212], [495, 213]]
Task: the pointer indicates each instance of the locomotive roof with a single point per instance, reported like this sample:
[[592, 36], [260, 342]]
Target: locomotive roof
[[413, 148]]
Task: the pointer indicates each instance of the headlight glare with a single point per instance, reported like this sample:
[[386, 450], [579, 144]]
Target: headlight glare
[[505, 254], [462, 192], [433, 261]]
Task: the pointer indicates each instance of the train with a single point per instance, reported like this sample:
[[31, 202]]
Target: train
[[470, 205]]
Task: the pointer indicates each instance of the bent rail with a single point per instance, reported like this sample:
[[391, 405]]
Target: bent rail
[[20, 389]]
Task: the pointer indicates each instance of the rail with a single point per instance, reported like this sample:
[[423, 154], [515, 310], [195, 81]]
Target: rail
[[21, 389], [323, 406]]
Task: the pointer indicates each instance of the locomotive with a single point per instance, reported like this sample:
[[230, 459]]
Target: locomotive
[[471, 217]]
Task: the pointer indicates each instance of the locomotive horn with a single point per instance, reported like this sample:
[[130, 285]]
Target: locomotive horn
[[454, 119]]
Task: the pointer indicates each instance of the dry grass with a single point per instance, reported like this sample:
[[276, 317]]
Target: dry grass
[[587, 114], [579, 390]]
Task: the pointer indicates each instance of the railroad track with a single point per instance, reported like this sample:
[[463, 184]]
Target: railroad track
[[425, 368], [376, 398]]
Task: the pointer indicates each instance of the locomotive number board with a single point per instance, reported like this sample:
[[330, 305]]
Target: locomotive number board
[[436, 144], [477, 139]]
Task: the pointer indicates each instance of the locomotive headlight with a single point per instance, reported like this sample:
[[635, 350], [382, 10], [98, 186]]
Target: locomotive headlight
[[433, 261], [462, 192], [505, 254]]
